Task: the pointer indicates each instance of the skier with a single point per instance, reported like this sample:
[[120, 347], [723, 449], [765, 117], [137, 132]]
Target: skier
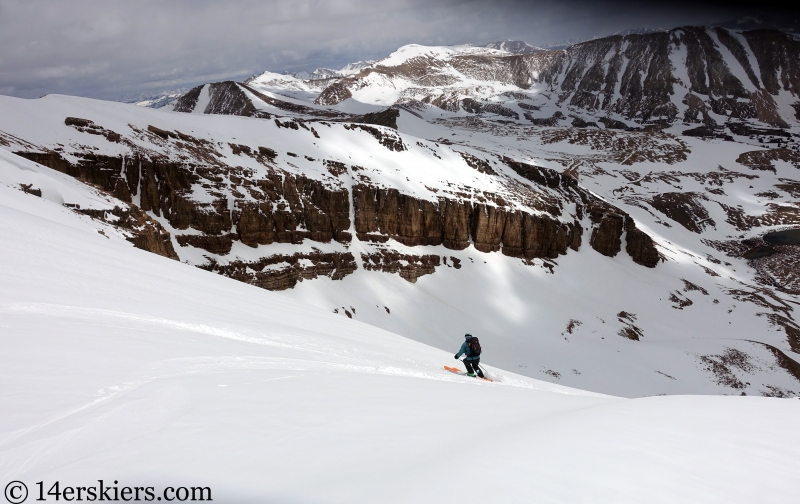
[[472, 349]]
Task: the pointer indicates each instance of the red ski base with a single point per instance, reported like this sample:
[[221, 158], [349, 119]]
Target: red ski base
[[463, 373]]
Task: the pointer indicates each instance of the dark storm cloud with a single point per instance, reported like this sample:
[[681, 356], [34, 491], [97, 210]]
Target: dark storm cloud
[[110, 48]]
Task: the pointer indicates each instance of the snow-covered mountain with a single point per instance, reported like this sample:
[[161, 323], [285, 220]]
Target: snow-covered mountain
[[303, 81], [329, 73], [125, 369], [691, 75], [441, 193], [156, 100], [639, 31], [302, 85], [319, 73], [355, 67], [603, 259], [513, 46]]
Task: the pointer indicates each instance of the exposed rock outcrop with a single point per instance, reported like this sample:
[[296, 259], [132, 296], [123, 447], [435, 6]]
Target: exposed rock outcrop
[[386, 213], [225, 98], [281, 272], [685, 209], [283, 207], [410, 267], [143, 231], [386, 117], [610, 225], [289, 209], [765, 159]]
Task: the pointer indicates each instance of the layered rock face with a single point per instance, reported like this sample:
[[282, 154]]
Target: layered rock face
[[281, 271], [611, 225], [283, 207], [102, 172], [410, 267], [287, 208], [292, 208], [381, 214], [213, 200]]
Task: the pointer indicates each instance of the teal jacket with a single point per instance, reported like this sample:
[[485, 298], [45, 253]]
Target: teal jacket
[[465, 351]]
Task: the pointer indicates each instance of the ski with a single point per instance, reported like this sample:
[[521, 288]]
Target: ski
[[463, 373]]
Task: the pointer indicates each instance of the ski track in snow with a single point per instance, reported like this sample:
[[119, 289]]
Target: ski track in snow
[[117, 362], [283, 340]]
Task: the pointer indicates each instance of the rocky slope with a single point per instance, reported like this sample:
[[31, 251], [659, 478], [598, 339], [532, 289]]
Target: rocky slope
[[714, 82], [691, 75], [192, 183], [575, 239]]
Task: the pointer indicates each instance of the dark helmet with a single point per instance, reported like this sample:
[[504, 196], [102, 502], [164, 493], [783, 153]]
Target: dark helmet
[[467, 336]]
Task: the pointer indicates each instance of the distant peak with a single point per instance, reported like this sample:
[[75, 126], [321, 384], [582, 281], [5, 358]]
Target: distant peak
[[513, 46]]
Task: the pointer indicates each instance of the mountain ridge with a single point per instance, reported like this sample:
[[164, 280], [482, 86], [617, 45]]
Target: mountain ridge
[[632, 77]]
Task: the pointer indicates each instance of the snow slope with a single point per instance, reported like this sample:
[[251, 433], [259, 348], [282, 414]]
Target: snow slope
[[121, 365], [565, 320]]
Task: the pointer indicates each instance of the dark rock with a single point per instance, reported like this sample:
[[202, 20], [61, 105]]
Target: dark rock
[[609, 223], [225, 98], [685, 209], [543, 176], [386, 118], [488, 223], [613, 123], [477, 107], [29, 189], [759, 251], [264, 273], [144, 232], [410, 267], [764, 159], [545, 121], [409, 220], [577, 122], [639, 245], [744, 129], [606, 235], [477, 163], [220, 245], [188, 101], [390, 140], [77, 121]]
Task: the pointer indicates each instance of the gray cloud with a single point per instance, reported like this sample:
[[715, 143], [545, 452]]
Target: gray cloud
[[110, 48]]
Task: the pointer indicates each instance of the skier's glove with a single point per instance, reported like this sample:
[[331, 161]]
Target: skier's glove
[[455, 357]]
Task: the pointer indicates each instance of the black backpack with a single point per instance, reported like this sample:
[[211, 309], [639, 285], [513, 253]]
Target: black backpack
[[474, 346]]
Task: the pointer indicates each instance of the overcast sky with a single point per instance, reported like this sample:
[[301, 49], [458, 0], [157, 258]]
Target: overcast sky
[[114, 48]]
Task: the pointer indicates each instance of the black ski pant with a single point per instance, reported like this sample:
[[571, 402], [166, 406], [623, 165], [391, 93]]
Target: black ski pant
[[472, 367]]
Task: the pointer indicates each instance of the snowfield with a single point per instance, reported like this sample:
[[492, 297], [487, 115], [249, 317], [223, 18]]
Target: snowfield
[[118, 364], [559, 320]]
